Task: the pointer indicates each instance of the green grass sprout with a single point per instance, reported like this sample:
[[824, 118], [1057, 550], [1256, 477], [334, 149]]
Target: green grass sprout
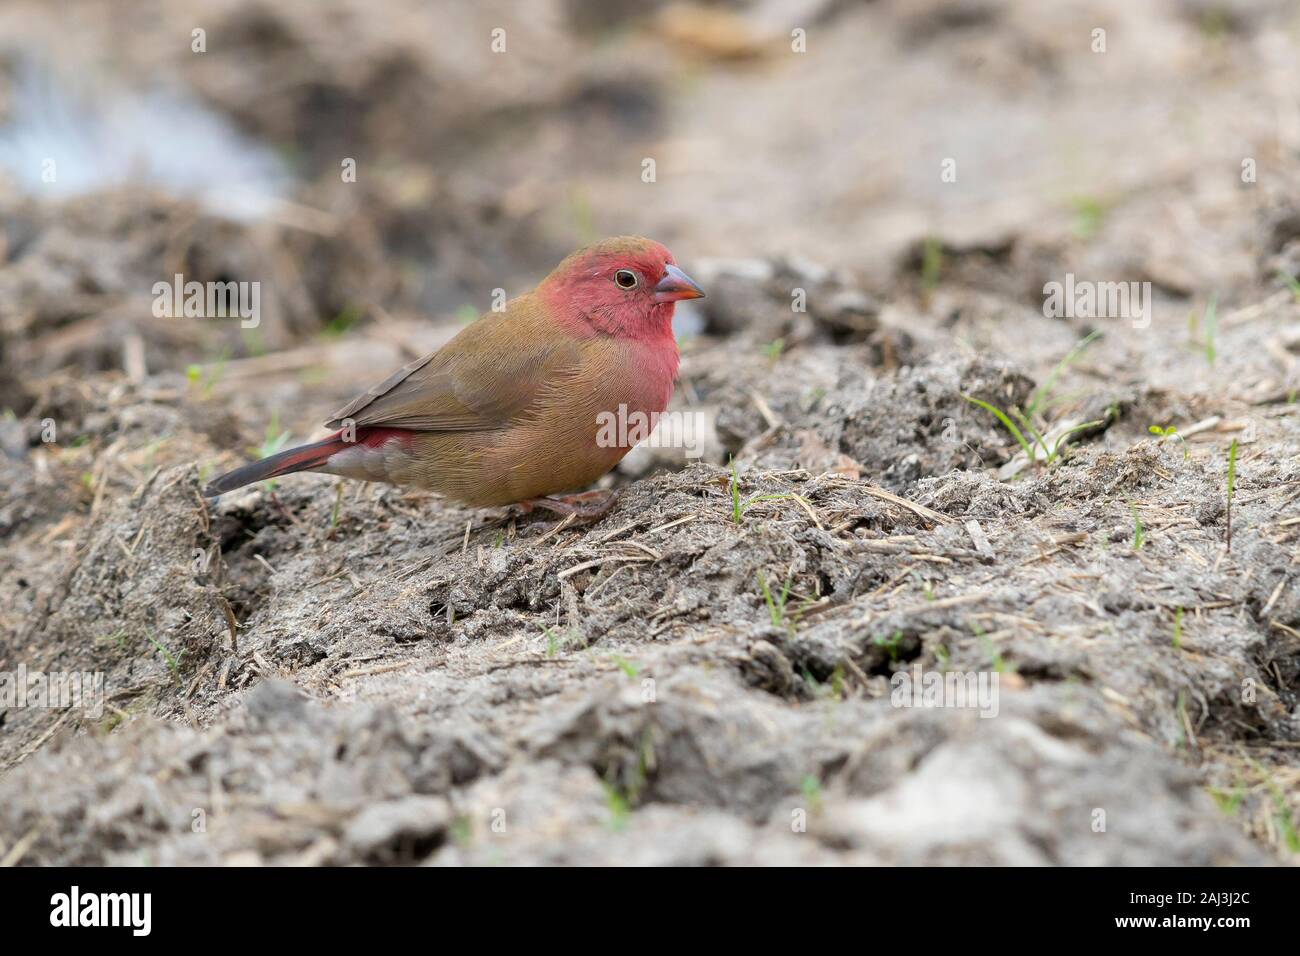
[[890, 644], [1072, 356], [346, 318], [1211, 328], [1169, 431], [811, 788], [1038, 400], [1007, 423], [630, 669], [931, 264], [775, 606], [1291, 282], [1089, 215], [172, 664], [739, 507]]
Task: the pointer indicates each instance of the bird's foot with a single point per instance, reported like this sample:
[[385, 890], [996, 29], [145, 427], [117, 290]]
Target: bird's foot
[[584, 507]]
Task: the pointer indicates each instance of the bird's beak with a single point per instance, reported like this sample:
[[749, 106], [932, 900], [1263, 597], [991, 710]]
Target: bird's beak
[[675, 285]]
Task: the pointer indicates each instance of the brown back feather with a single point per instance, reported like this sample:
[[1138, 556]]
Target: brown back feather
[[491, 374]]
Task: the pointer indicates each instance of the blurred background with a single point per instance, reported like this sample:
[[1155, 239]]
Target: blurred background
[[139, 140]]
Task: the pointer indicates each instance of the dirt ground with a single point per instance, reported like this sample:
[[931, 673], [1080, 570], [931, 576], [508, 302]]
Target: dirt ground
[[326, 672]]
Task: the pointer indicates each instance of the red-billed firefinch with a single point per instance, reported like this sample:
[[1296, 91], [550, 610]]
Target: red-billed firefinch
[[509, 410]]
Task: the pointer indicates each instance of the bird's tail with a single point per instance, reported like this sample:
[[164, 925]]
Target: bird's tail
[[302, 458]]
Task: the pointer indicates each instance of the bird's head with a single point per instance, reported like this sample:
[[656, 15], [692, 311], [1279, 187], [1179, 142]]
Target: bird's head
[[624, 287]]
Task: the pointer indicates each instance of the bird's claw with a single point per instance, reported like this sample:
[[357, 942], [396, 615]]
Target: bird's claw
[[584, 507]]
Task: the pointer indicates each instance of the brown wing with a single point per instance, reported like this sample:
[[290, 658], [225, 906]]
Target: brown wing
[[492, 373]]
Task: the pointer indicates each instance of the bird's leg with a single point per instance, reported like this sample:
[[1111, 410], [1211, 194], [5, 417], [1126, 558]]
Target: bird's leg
[[587, 506]]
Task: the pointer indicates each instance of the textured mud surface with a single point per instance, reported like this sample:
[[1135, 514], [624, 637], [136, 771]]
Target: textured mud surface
[[325, 673]]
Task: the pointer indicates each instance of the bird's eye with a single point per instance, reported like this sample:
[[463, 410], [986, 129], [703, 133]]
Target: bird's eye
[[625, 278]]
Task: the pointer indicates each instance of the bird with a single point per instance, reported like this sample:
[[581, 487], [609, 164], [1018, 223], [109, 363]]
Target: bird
[[509, 411]]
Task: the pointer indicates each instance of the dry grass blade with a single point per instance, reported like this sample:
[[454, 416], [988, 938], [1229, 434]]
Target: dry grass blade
[[928, 514]]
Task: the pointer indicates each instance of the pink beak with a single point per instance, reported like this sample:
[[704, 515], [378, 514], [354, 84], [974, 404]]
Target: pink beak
[[675, 285]]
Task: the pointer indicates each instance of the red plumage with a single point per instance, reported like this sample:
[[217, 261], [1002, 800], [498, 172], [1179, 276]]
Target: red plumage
[[509, 409]]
